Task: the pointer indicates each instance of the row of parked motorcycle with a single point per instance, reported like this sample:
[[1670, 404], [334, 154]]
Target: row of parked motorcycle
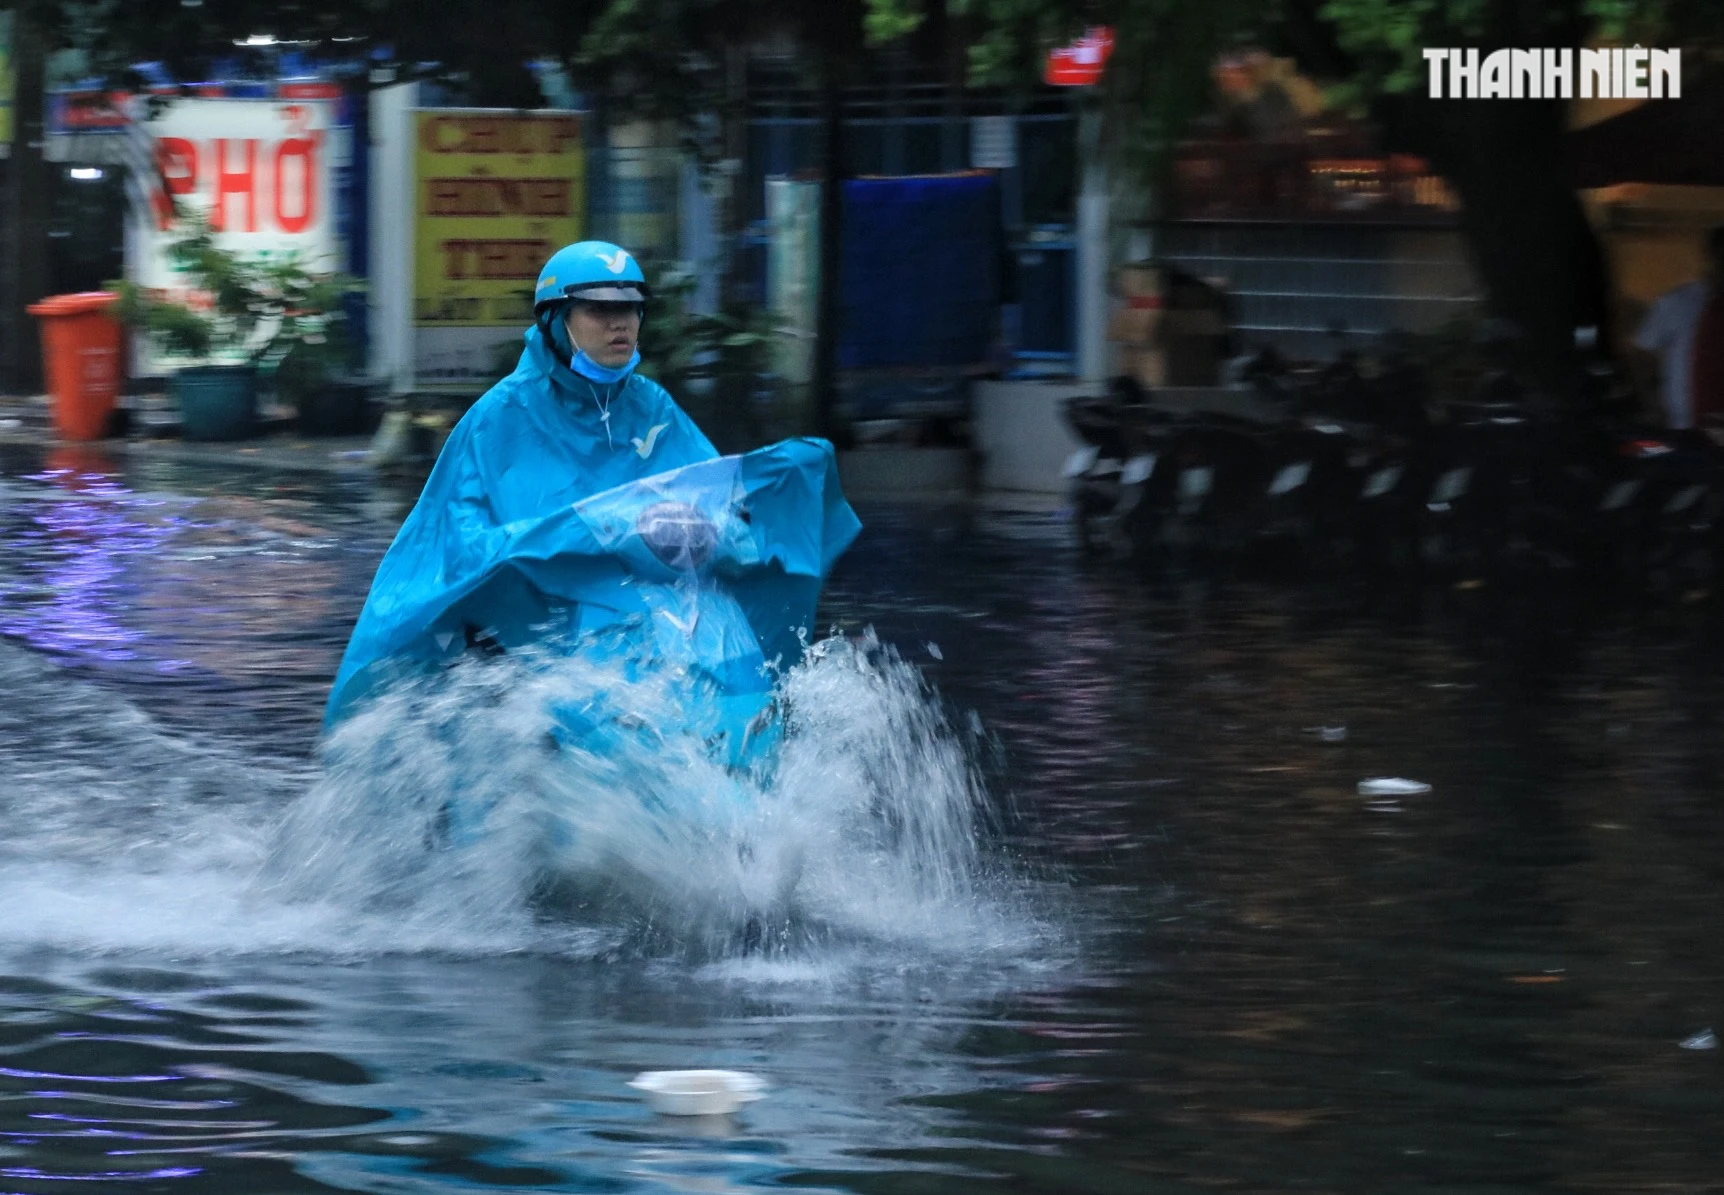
[[1359, 469]]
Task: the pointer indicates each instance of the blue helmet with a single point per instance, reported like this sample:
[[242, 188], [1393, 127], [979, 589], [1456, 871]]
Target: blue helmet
[[596, 271]]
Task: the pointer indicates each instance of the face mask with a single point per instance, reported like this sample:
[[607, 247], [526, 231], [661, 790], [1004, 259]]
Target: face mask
[[594, 372]]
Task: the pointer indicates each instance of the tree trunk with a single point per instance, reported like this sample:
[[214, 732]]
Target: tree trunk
[[1533, 248], [825, 380]]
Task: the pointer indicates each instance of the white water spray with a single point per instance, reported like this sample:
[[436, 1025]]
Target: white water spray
[[450, 799], [868, 833]]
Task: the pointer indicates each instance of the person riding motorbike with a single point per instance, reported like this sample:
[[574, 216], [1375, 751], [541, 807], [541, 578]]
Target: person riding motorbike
[[648, 590], [574, 418]]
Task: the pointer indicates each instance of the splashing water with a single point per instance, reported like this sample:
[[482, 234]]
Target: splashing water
[[444, 819], [121, 833], [450, 800]]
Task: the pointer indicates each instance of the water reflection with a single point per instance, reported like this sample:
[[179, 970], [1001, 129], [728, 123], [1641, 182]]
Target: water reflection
[[505, 1072], [187, 599], [1257, 980], [70, 585]]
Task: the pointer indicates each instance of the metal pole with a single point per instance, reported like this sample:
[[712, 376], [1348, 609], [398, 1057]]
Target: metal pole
[[391, 242], [1092, 249]]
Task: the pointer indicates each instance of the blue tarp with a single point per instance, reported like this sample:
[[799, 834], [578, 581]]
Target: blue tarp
[[921, 271]]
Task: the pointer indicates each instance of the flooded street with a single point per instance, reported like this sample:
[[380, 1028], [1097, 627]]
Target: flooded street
[[1134, 928]]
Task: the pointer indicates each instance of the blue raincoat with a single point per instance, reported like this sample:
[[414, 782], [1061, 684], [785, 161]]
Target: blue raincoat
[[543, 518]]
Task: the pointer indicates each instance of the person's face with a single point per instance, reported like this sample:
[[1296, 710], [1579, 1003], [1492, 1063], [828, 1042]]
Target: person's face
[[606, 332]]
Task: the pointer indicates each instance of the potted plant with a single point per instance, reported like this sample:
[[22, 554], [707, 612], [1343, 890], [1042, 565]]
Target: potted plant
[[245, 314], [311, 350], [217, 389]]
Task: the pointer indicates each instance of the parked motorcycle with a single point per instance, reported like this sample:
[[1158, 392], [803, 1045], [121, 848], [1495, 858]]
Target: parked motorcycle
[[1507, 486], [1124, 439]]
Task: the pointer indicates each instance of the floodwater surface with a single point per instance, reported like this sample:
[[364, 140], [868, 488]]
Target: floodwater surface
[[1067, 880]]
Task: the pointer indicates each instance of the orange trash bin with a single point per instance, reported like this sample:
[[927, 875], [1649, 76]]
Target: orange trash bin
[[81, 360]]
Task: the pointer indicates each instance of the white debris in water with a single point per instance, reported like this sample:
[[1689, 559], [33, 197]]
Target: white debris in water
[[1392, 786], [699, 1092], [1704, 1040]]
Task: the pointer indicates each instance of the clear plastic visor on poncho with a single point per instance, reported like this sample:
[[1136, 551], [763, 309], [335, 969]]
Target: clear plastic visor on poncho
[[711, 571]]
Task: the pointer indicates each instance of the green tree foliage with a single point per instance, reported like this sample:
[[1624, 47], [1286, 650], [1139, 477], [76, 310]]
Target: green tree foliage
[[663, 55], [1159, 78], [484, 43], [669, 57], [1386, 37], [1156, 82], [1531, 242]]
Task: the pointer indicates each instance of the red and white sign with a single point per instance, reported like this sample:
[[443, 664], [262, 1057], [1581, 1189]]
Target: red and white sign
[[260, 169], [308, 91], [1080, 64], [83, 111]]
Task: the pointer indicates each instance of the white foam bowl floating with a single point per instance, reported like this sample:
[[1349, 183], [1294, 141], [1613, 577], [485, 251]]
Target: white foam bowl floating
[[1392, 786], [698, 1093]]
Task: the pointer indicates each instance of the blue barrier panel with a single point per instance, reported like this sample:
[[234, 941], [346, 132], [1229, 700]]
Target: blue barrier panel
[[920, 271]]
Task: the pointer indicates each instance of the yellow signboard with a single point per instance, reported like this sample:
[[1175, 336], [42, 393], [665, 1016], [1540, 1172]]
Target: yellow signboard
[[8, 83], [496, 193]]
